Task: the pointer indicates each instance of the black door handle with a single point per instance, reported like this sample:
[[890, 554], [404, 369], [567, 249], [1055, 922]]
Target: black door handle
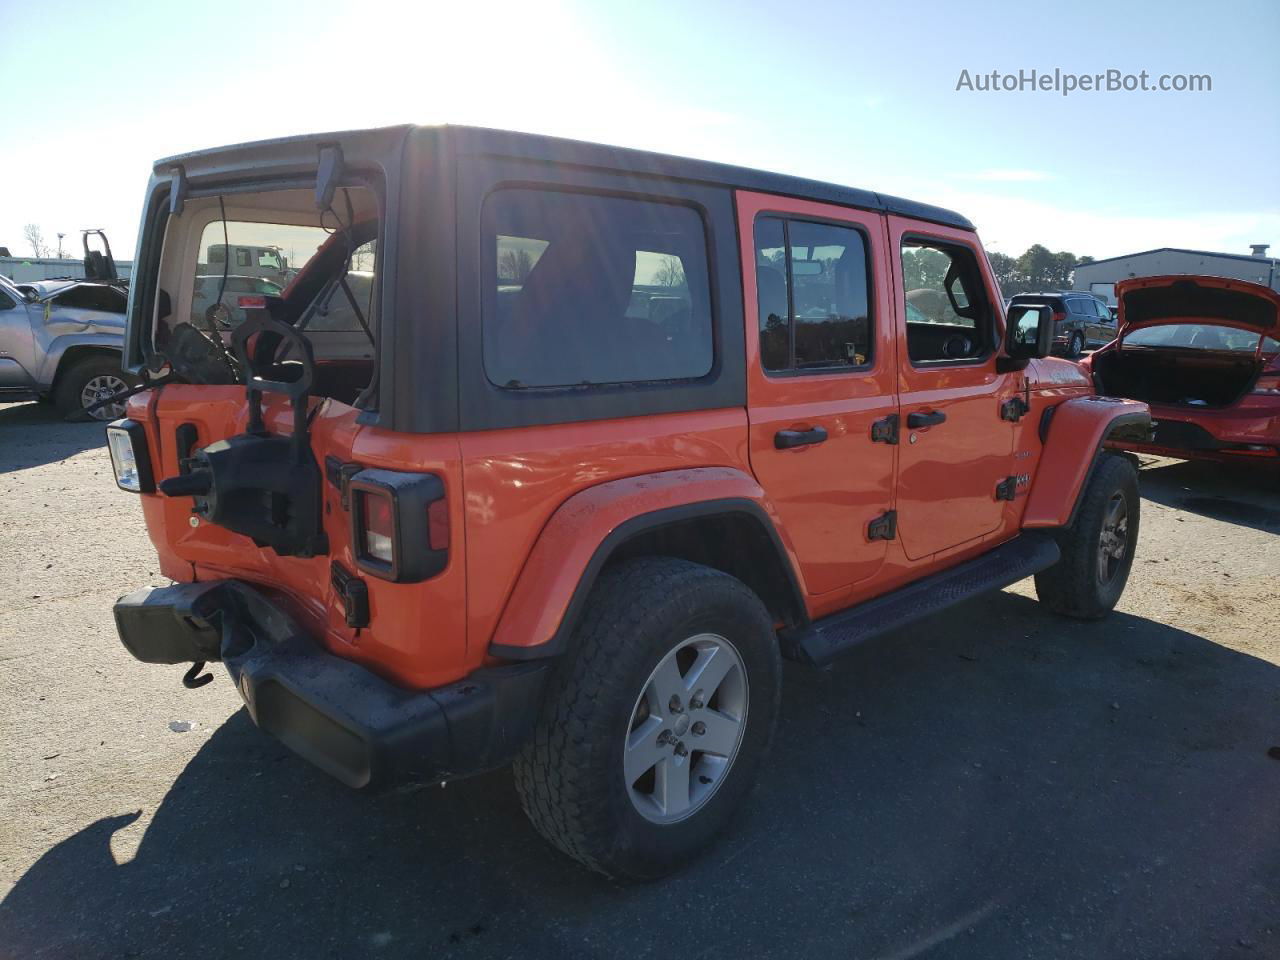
[[925, 419], [785, 439]]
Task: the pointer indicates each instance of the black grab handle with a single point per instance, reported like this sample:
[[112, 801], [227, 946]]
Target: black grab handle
[[785, 439], [925, 419]]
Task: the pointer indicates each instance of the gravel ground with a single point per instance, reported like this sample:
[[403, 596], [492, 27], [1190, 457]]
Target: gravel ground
[[994, 783]]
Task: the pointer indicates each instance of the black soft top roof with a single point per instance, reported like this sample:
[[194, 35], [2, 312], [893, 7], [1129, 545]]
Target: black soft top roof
[[479, 141]]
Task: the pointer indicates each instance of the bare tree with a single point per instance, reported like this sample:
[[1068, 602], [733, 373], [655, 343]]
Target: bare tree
[[36, 239], [670, 273], [514, 265]]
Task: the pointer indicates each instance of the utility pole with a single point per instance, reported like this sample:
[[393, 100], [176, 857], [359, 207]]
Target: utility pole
[[60, 236]]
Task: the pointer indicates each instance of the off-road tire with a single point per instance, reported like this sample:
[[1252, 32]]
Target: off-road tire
[[570, 777], [71, 382], [1072, 586]]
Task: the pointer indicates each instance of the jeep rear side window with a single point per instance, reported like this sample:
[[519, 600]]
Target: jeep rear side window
[[586, 290], [811, 288], [947, 315]]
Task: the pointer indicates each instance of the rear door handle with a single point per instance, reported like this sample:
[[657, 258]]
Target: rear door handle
[[925, 419], [785, 439]]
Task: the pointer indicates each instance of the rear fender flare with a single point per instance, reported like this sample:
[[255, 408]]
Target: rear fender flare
[[1073, 434], [591, 526]]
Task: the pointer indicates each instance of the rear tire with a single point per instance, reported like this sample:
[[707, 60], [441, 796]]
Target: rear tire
[[1098, 548], [1075, 346], [88, 380], [616, 775]]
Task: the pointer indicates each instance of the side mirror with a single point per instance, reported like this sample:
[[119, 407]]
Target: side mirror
[[1028, 335]]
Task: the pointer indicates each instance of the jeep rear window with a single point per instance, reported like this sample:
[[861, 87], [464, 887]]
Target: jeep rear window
[[587, 290]]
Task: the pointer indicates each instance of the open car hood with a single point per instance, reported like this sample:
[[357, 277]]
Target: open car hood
[[1146, 301]]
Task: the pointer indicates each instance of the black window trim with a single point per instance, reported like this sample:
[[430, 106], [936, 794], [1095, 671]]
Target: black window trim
[[988, 347], [786, 218], [481, 406], [580, 389]]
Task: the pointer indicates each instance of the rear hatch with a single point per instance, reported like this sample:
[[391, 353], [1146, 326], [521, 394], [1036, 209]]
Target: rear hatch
[[256, 305], [189, 418]]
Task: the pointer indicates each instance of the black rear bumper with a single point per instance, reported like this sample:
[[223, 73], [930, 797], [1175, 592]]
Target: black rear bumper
[[342, 717]]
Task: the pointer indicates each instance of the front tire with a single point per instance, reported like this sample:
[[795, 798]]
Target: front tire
[[656, 722], [1098, 548]]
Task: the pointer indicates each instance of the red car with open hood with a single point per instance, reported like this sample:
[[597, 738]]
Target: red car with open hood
[[1203, 353]]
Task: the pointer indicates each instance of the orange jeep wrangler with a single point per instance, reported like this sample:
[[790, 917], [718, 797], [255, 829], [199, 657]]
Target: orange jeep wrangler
[[548, 452]]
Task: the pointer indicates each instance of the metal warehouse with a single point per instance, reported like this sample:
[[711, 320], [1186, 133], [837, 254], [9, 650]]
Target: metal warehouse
[[1101, 276]]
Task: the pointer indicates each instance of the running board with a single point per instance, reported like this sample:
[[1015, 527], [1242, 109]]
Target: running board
[[824, 640]]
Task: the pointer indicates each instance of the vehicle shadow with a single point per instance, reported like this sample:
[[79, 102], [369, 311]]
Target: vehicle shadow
[[32, 434], [998, 783], [1245, 494]]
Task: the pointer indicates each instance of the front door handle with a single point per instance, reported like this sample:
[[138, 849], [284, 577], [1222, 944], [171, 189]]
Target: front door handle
[[925, 419], [785, 439]]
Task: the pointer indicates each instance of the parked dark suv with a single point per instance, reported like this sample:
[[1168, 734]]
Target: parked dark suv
[[1080, 320]]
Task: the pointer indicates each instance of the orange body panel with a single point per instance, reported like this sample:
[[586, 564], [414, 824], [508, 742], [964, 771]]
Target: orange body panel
[[417, 633], [1079, 427], [566, 545], [947, 474], [515, 480], [826, 494]]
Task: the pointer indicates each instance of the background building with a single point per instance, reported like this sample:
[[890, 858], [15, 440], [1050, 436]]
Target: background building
[[1099, 277]]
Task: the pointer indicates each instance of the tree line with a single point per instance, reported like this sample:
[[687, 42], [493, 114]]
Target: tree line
[[1037, 270]]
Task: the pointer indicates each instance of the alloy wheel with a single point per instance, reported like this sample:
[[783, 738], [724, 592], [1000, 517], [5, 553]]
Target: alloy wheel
[[99, 388], [685, 730], [1113, 541]]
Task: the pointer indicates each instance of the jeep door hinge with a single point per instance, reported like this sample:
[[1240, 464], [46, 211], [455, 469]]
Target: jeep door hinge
[[1007, 489], [884, 527], [885, 430], [1014, 409]]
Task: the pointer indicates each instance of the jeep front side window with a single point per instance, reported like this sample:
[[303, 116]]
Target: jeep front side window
[[947, 316], [589, 290]]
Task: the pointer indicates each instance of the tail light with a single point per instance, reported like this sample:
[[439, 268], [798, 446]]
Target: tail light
[[1059, 316], [399, 524], [378, 540], [252, 303], [130, 460], [1268, 385]]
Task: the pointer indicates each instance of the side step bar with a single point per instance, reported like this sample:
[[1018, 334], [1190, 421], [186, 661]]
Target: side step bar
[[824, 640]]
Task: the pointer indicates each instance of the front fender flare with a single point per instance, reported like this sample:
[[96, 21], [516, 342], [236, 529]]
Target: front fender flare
[[586, 529], [1073, 440]]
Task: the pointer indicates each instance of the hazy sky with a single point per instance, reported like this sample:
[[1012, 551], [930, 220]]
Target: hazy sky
[[858, 93]]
